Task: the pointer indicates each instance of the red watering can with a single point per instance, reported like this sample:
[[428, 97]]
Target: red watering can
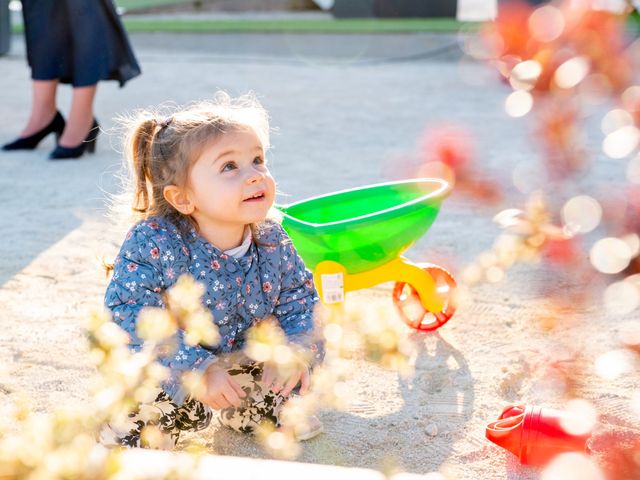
[[535, 434]]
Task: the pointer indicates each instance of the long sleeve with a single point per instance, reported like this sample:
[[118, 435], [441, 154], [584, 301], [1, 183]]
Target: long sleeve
[[138, 282], [296, 302]]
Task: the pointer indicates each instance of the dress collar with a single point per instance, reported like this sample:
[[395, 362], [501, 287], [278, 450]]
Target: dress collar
[[243, 248]]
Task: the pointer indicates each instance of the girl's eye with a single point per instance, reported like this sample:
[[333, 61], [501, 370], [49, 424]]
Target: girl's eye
[[258, 160], [228, 167]]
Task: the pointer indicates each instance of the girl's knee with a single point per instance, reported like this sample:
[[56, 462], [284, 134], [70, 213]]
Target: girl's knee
[[192, 416], [256, 409], [158, 424]]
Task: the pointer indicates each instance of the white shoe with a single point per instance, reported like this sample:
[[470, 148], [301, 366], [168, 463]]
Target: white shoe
[[311, 428]]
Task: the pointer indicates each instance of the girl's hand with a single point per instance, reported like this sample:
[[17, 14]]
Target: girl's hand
[[221, 390], [283, 382]]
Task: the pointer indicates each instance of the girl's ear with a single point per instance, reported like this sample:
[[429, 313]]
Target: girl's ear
[[179, 199]]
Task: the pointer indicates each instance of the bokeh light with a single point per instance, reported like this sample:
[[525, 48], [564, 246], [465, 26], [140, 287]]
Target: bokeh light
[[341, 390], [614, 120], [614, 363], [277, 440], [494, 274], [476, 47], [282, 354], [580, 417], [472, 274], [487, 259], [261, 352], [506, 63], [155, 324], [571, 72], [511, 217], [525, 74], [610, 255], [621, 298], [546, 23], [633, 170], [518, 103], [633, 242], [572, 466], [581, 214], [631, 97], [629, 332], [333, 333], [621, 142]]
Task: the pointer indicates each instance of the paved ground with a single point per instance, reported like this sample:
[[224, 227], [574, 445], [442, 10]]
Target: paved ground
[[328, 97], [467, 10], [349, 111]]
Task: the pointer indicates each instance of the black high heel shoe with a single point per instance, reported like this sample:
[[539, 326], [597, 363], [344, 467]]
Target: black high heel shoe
[[29, 143], [89, 144]]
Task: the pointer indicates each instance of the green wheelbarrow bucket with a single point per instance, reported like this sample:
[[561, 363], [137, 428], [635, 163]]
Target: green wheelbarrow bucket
[[366, 227]]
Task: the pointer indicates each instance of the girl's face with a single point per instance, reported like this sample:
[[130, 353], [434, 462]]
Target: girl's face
[[229, 184]]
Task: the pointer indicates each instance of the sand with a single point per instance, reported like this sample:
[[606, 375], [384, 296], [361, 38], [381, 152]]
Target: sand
[[346, 118]]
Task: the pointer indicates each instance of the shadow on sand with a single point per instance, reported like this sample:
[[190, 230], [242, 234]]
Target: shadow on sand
[[418, 436]]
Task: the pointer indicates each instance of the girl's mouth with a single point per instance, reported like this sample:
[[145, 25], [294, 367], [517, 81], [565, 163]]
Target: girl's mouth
[[255, 198]]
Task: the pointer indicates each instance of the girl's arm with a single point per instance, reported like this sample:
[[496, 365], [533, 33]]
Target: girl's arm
[[138, 282], [298, 297]]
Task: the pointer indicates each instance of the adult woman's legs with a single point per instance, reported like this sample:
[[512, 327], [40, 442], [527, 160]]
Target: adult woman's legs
[[80, 119], [43, 106], [43, 120]]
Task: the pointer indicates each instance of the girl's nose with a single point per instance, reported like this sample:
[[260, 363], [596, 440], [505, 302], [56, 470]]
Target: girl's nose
[[255, 175]]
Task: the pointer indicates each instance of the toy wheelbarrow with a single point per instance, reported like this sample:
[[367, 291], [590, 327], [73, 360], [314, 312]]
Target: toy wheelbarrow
[[353, 239]]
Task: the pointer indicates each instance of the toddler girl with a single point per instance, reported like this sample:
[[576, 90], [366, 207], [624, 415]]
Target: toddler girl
[[203, 192]]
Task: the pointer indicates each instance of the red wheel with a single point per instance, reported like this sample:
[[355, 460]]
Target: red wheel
[[412, 311]]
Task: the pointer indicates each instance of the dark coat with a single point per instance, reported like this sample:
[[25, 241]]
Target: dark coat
[[77, 41]]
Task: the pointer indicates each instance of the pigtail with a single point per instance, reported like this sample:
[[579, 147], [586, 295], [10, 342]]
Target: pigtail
[[141, 144]]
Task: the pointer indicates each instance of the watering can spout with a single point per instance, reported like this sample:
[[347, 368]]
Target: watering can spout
[[535, 434], [507, 431]]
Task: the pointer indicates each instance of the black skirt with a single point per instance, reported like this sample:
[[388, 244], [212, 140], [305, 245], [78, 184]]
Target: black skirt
[[77, 41]]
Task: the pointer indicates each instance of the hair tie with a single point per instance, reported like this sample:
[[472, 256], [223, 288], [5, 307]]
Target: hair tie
[[163, 125], [166, 122]]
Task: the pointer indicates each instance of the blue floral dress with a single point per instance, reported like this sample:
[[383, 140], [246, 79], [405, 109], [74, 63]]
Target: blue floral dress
[[269, 280]]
